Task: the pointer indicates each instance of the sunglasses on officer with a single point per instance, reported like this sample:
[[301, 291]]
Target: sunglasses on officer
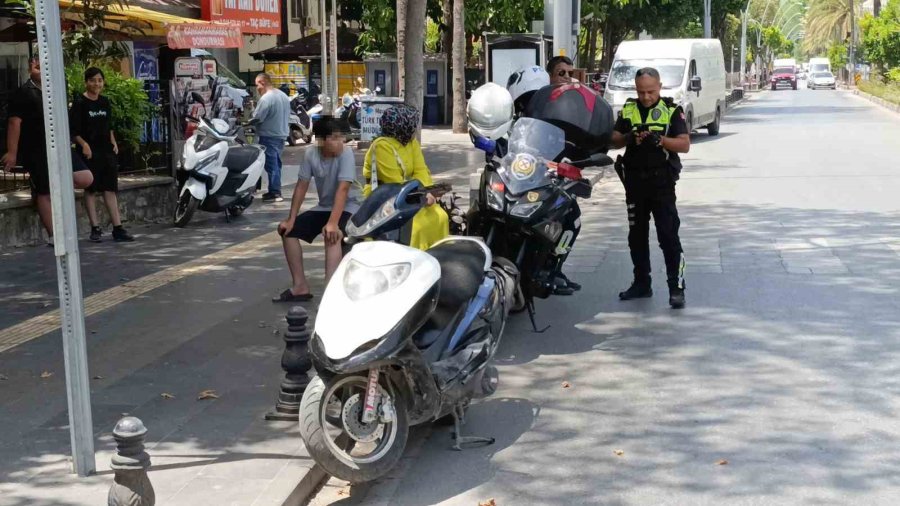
[[564, 73]]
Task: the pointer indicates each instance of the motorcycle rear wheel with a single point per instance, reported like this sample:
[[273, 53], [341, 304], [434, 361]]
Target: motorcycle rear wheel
[[334, 448]]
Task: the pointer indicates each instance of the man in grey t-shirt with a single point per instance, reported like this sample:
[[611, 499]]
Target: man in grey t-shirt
[[271, 118], [332, 165]]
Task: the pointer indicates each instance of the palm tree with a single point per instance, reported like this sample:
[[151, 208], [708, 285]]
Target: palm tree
[[827, 21]]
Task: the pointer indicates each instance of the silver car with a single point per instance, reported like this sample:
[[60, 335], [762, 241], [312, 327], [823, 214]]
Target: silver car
[[818, 80]]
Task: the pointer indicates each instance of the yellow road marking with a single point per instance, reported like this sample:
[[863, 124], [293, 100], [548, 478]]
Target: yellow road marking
[[33, 328]]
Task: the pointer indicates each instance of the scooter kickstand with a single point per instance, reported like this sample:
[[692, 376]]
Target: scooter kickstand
[[471, 441], [530, 306]]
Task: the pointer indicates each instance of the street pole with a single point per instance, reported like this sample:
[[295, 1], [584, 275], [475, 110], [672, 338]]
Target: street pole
[[323, 22], [707, 19], [334, 56], [562, 27], [852, 44], [743, 61], [68, 267], [732, 65]]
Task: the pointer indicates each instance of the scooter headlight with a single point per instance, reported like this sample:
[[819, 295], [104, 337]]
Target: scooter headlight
[[386, 212], [362, 281]]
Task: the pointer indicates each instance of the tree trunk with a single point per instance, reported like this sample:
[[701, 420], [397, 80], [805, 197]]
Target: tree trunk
[[447, 33], [401, 46], [459, 67], [876, 7], [591, 59], [607, 44], [414, 61]]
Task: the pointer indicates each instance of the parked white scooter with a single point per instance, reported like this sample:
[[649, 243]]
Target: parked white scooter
[[222, 171]]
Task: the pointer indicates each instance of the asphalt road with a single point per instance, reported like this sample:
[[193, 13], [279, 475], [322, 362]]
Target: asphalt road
[[778, 384]]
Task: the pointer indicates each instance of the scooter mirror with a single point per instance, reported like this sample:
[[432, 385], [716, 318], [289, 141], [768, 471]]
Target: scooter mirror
[[196, 97], [601, 159]]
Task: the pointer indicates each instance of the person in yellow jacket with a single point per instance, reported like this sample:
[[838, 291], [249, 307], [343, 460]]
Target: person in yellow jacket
[[396, 157]]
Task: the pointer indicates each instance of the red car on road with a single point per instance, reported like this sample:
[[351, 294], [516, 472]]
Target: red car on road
[[784, 75]]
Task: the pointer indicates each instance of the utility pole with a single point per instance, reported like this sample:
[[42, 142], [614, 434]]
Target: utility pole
[[327, 106], [852, 44], [562, 28], [707, 19], [743, 61], [334, 57], [732, 65], [68, 267]]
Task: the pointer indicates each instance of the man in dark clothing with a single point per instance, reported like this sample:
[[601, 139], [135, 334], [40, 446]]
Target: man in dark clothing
[[653, 131], [26, 144]]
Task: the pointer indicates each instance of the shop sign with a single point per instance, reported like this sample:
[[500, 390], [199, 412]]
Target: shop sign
[[254, 16]]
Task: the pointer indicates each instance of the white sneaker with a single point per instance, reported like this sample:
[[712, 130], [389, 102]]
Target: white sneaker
[[279, 199]]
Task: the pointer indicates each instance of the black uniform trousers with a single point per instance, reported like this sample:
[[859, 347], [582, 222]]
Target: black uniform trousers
[[653, 192]]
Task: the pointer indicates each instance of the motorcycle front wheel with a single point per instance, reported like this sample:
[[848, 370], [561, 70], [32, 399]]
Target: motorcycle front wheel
[[185, 208], [336, 437]]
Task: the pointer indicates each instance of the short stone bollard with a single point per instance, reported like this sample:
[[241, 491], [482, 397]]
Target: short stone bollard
[[132, 486], [296, 364]]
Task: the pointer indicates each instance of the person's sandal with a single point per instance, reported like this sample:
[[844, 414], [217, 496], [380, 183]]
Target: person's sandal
[[288, 296]]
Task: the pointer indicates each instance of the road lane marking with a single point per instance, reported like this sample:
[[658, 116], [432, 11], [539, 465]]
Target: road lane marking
[[38, 326]]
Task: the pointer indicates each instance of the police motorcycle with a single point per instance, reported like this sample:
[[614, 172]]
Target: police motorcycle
[[221, 170], [402, 337], [526, 192]]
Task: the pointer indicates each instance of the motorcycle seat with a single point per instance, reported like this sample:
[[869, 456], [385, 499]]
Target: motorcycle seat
[[463, 264], [239, 158]]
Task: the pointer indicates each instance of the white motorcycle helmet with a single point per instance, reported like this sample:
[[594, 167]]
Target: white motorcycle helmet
[[524, 82], [490, 111]]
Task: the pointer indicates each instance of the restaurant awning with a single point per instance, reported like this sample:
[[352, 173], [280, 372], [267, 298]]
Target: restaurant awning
[[129, 18], [310, 47]]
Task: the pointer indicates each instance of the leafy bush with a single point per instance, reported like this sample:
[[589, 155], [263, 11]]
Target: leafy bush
[[894, 75], [131, 107], [889, 92]]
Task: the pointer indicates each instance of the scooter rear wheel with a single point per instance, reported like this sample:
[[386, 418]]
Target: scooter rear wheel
[[185, 208], [354, 451]]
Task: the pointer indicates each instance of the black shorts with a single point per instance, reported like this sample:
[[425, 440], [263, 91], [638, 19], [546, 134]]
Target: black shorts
[[105, 168], [309, 225], [38, 170]]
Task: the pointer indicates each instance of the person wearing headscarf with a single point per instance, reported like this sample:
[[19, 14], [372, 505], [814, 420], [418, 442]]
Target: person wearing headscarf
[[396, 157]]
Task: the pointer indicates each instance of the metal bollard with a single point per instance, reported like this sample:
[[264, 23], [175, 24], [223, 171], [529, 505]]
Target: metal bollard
[[131, 486], [296, 364]]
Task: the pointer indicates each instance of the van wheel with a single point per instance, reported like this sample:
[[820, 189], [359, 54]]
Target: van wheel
[[713, 128]]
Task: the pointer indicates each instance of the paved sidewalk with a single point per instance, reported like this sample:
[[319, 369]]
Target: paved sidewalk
[[208, 325]]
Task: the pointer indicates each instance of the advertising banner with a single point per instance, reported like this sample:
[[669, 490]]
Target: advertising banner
[[190, 35], [253, 16]]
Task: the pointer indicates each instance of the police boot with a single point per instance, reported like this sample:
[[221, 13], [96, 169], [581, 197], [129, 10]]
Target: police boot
[[639, 289], [676, 295]]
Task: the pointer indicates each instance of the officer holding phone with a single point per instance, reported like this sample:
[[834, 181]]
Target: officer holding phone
[[653, 131]]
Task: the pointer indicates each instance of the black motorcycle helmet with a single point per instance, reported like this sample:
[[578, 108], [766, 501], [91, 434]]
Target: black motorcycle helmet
[[584, 116]]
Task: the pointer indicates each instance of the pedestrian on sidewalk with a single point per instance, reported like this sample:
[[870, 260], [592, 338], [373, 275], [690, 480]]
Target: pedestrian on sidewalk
[[653, 131], [332, 165], [396, 157], [26, 142], [271, 118], [90, 118]]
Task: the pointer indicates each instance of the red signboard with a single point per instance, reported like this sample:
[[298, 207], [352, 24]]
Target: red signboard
[[201, 36], [254, 16]]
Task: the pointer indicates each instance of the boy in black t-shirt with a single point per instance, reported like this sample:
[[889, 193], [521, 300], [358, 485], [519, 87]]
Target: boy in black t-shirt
[[26, 144], [90, 119]]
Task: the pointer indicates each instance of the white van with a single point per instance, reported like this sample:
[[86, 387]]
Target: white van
[[819, 65], [692, 72]]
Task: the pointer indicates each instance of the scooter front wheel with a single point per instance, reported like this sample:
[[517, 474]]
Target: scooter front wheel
[[338, 439], [185, 208]]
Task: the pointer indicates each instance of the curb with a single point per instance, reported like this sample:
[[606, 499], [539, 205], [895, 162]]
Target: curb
[[308, 487], [877, 100]]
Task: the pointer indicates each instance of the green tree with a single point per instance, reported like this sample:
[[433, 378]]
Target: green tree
[[881, 37], [837, 55]]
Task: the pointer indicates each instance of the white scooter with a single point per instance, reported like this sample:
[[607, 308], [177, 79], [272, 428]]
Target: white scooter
[[303, 116], [402, 337], [222, 171]]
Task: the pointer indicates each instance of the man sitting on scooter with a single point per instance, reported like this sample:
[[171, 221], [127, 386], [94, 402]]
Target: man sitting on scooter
[[332, 165]]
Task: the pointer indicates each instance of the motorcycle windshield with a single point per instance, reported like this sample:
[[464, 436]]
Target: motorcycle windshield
[[532, 144]]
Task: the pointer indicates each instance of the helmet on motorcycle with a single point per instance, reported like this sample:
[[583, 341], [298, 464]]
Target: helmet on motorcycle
[[581, 112], [490, 111], [524, 82]]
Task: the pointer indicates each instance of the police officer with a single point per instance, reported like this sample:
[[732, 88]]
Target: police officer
[[653, 131]]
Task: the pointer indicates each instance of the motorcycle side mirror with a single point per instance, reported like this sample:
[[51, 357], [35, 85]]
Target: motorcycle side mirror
[[601, 159]]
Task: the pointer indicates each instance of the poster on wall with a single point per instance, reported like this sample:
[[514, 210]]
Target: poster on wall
[[146, 68], [253, 16]]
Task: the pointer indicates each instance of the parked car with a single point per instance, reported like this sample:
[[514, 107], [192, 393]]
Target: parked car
[[692, 73], [820, 80], [783, 75]]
